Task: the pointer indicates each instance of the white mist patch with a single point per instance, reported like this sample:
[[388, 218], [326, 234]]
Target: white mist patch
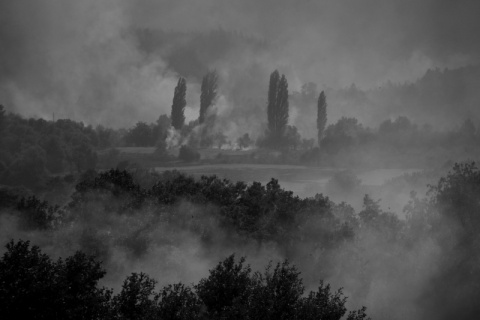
[[173, 138]]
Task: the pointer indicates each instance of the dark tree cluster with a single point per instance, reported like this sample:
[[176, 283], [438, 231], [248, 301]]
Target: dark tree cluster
[[208, 94], [269, 214], [321, 115], [148, 135], [36, 287], [397, 142], [262, 212], [187, 154], [178, 105], [33, 149], [277, 109]]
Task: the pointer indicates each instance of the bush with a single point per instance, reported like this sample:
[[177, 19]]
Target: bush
[[233, 292], [35, 287], [187, 154]]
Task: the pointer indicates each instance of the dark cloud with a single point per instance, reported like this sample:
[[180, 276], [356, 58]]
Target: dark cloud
[[78, 60], [366, 41]]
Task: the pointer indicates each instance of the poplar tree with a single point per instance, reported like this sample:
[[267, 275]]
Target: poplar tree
[[321, 116], [179, 103], [277, 108], [209, 93]]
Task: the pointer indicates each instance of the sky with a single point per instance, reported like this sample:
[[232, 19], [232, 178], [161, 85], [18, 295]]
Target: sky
[[76, 58]]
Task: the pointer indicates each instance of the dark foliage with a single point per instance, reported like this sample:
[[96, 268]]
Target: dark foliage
[[277, 109], [141, 135], [36, 214], [179, 302], [232, 291], [321, 116], [33, 149], [451, 218], [35, 287], [244, 141], [208, 95], [226, 292], [178, 105], [114, 189], [137, 299], [188, 154], [457, 197]]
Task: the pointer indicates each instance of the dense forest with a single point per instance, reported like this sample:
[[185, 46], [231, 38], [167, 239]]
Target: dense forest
[[145, 219]]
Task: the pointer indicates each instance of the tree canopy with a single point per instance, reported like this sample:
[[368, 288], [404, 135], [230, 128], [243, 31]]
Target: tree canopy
[[179, 103], [208, 94], [35, 287], [321, 115], [277, 108]]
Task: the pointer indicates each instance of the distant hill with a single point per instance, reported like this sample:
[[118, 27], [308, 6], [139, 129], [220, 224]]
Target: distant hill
[[443, 98]]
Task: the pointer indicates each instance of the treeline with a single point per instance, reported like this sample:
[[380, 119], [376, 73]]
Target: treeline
[[441, 96], [136, 212], [33, 149], [36, 287], [395, 143]]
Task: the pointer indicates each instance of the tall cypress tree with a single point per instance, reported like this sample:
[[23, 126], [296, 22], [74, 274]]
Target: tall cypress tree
[[321, 115], [277, 108], [209, 93], [179, 103]]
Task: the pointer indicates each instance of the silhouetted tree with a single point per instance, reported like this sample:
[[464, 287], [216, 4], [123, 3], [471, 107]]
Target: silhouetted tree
[[160, 130], [36, 214], [321, 115], [343, 134], [209, 93], [137, 300], [277, 108], [226, 291], [244, 141], [292, 138], [178, 302], [178, 105], [140, 136], [35, 287]]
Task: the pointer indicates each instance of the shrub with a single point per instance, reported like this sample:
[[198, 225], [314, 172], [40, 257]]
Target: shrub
[[187, 154]]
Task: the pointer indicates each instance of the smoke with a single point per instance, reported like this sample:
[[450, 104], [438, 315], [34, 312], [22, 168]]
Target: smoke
[[77, 60], [395, 272], [172, 244], [81, 60], [338, 42]]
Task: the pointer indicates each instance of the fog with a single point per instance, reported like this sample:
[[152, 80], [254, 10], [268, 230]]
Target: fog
[[83, 60], [408, 71]]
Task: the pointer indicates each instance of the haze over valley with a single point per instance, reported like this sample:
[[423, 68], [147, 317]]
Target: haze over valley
[[213, 159]]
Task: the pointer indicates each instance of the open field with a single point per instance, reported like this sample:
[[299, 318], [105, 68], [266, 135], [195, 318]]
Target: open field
[[304, 181]]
